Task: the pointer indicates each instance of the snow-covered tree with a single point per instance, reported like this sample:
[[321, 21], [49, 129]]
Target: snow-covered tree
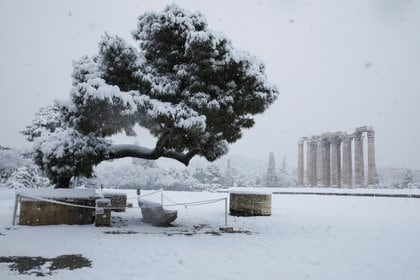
[[271, 179], [133, 176], [246, 181], [228, 177], [28, 176], [145, 163], [212, 174], [10, 160], [408, 180], [185, 83], [283, 166], [199, 174]]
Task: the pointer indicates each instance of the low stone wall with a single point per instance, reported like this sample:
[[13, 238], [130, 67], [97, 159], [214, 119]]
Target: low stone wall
[[36, 213], [250, 204]]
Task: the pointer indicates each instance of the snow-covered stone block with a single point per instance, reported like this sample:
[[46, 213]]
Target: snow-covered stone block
[[56, 206], [118, 200], [59, 193], [154, 214], [250, 203], [103, 212]]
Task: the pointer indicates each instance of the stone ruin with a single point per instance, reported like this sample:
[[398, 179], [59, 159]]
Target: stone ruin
[[329, 159]]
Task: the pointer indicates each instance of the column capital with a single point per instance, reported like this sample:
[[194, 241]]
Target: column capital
[[336, 139], [371, 133], [357, 135], [347, 138]]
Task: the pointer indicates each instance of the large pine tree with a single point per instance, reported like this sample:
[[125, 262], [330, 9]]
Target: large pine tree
[[185, 83]]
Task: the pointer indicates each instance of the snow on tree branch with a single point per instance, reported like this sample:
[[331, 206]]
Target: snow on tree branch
[[182, 80]]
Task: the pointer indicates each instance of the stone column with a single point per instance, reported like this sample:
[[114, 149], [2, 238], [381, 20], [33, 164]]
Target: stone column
[[314, 160], [300, 163], [371, 158], [347, 172], [326, 165], [308, 162], [311, 163], [336, 161], [359, 165], [319, 161]]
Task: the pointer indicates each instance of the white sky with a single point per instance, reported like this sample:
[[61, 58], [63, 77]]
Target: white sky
[[338, 65]]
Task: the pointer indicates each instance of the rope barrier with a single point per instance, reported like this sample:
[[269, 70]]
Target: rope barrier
[[174, 203], [170, 200], [158, 191], [59, 202], [195, 203], [144, 195]]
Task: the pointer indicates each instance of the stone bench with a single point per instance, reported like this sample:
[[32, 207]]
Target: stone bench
[[250, 203], [154, 214]]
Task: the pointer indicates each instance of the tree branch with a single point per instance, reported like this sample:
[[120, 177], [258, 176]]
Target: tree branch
[[122, 151], [160, 144], [181, 157]]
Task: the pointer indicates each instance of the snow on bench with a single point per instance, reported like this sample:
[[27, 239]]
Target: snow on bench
[[154, 214]]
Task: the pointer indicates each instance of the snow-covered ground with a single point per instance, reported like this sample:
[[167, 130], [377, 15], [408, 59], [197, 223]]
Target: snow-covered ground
[[336, 190], [307, 237]]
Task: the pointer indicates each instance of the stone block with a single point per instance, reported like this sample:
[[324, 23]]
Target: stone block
[[103, 212], [250, 204], [154, 214], [36, 213], [118, 200]]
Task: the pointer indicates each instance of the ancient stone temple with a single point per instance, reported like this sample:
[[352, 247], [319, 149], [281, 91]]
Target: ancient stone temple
[[329, 159]]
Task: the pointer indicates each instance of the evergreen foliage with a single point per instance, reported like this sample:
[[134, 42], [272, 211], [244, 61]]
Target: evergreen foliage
[[283, 166], [28, 176], [228, 179], [185, 83], [271, 177], [408, 180], [10, 160]]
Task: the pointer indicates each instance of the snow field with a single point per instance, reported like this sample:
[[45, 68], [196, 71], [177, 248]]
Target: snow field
[[307, 237]]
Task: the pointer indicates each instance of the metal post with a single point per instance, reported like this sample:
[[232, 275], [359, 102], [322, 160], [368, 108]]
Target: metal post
[[15, 208], [226, 203], [161, 197]]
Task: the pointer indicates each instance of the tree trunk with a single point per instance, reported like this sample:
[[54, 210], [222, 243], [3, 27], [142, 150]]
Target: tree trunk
[[63, 183]]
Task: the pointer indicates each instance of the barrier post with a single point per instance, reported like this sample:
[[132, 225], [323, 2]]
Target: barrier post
[[15, 208], [226, 202], [161, 197], [103, 212]]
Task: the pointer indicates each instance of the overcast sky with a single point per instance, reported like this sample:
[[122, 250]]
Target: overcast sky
[[338, 65]]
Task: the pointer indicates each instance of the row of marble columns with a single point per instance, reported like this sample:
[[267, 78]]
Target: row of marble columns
[[329, 159]]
